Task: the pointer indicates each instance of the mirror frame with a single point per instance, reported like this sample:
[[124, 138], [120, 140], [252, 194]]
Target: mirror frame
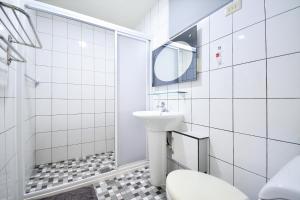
[[190, 37]]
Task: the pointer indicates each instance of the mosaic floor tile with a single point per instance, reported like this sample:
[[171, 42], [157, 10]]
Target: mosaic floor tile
[[54, 174], [134, 185]]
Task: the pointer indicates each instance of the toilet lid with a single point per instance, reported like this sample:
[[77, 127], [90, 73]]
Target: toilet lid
[[192, 185]]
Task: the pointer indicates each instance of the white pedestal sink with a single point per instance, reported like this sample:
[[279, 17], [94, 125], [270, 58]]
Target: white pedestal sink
[[157, 124]]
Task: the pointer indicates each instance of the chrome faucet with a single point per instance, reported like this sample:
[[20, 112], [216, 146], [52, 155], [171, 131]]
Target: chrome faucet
[[162, 107]]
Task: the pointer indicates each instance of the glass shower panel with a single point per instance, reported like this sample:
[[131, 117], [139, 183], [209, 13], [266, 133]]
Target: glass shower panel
[[132, 65]]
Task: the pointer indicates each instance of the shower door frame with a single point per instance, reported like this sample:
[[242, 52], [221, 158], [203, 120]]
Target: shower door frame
[[118, 30], [147, 78]]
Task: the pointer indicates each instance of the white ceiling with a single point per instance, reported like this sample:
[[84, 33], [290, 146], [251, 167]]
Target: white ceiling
[[126, 13]]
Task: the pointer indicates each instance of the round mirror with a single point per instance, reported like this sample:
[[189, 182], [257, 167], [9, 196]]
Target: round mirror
[[173, 60]]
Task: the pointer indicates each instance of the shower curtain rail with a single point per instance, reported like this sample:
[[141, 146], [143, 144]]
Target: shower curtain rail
[[18, 36]]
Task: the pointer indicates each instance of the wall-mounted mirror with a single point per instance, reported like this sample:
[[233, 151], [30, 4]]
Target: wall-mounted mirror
[[176, 61]]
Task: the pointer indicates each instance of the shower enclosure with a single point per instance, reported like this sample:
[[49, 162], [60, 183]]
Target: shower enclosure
[[76, 124]]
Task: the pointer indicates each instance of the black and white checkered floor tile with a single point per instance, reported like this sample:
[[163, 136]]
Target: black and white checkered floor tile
[[134, 185], [54, 174]]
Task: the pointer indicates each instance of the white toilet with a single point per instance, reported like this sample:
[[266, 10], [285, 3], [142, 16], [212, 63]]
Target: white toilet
[[192, 185]]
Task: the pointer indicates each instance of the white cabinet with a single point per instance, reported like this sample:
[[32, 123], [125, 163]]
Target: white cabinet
[[190, 151]]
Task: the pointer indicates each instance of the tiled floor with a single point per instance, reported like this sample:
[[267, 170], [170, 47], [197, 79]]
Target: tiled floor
[[135, 186], [54, 174]]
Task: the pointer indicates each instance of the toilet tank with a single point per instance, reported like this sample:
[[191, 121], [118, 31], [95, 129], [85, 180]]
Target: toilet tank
[[285, 184]]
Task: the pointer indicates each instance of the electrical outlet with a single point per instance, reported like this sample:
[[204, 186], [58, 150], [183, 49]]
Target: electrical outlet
[[233, 7]]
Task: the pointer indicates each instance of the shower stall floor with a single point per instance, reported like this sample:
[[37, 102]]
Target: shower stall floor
[[50, 175]]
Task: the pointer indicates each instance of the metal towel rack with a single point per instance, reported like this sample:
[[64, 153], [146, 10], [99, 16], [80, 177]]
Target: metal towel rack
[[17, 34]]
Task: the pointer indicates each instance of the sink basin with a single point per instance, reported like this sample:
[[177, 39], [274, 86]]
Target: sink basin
[[160, 121], [157, 124]]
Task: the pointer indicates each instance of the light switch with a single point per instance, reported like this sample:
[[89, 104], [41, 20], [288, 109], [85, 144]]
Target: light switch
[[233, 7]]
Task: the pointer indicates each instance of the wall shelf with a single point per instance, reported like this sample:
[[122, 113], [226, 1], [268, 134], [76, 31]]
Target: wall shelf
[[172, 92]]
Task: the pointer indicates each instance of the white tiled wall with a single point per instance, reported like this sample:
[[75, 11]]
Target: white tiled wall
[[9, 184], [250, 103], [75, 100]]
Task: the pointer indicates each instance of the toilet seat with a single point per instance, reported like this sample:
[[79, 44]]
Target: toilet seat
[[192, 185]]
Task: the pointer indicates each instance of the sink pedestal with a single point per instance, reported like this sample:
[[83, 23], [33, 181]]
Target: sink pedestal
[[157, 124], [157, 146]]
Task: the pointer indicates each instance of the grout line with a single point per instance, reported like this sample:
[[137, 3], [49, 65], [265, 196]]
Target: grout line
[[232, 102], [236, 166], [267, 127]]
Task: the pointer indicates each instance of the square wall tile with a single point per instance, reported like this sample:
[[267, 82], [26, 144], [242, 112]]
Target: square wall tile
[[60, 44], [59, 75], [283, 119], [43, 107], [43, 140], [279, 154], [43, 57], [110, 145], [283, 79], [43, 74], [46, 40], [203, 58], [200, 111], [100, 133], [88, 106], [221, 170], [275, 7], [184, 106], [110, 132], [59, 154], [250, 116], [74, 121], [221, 113], [200, 87], [221, 145], [59, 122], [59, 138], [74, 107], [223, 47], [88, 149], [74, 91], [109, 119], [74, 31], [100, 147], [88, 135], [44, 25], [59, 106], [59, 91], [88, 120], [221, 83], [203, 31], [74, 136], [249, 44], [43, 90], [248, 182], [250, 153], [220, 24], [60, 27], [43, 124], [99, 106], [11, 142], [283, 34], [88, 92], [74, 61], [245, 16], [43, 156], [74, 151], [59, 59], [250, 80]]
